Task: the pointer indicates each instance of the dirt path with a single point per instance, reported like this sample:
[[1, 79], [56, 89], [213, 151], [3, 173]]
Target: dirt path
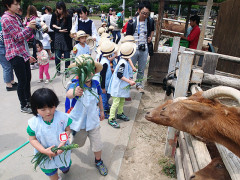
[[147, 142]]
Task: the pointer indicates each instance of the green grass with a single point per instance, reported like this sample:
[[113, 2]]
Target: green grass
[[168, 167]]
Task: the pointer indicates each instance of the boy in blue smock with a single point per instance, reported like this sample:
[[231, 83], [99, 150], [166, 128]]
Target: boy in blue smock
[[107, 48], [118, 86], [44, 130], [81, 47], [85, 114]]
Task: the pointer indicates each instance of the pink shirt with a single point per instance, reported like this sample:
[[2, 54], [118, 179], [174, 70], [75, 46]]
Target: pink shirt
[[14, 36]]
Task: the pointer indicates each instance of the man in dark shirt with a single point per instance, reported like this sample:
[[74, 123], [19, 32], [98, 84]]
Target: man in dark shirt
[[193, 37]]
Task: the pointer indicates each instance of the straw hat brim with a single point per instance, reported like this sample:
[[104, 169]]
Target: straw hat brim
[[129, 55], [98, 66], [85, 35], [92, 44], [115, 49]]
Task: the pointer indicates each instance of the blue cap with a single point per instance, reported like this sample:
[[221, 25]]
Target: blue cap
[[119, 14]]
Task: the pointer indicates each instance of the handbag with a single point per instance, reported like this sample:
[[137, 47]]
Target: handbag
[[150, 49]]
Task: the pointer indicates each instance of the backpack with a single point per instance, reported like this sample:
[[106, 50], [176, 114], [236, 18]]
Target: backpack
[[120, 23], [70, 103]]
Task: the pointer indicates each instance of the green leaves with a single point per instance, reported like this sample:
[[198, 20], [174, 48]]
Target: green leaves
[[40, 158]]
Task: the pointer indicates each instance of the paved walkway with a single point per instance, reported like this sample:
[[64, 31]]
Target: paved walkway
[[13, 134]]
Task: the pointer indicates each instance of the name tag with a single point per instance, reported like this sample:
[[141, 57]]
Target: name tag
[[63, 137]]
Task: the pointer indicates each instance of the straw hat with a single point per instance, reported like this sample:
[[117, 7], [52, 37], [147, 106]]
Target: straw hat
[[90, 42], [106, 35], [101, 30], [80, 34], [101, 40], [127, 49], [104, 23], [111, 28], [86, 57], [128, 38], [107, 48]]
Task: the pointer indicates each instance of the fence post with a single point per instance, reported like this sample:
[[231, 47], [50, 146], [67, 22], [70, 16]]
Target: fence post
[[174, 54], [180, 91], [210, 61]]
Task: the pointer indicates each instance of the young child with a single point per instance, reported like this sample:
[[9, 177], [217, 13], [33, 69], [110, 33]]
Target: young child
[[119, 82], [44, 130], [107, 48], [85, 114], [46, 41], [43, 61], [81, 47]]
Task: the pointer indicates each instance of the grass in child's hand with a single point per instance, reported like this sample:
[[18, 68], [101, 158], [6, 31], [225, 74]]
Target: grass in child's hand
[[40, 158]]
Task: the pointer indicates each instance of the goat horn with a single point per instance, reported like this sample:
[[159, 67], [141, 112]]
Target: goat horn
[[222, 91]]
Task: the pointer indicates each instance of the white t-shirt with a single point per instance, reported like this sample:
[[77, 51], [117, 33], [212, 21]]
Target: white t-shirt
[[46, 40], [47, 18]]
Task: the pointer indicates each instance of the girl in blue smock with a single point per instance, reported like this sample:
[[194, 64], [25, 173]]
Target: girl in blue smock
[[81, 47], [44, 130], [85, 114], [119, 82], [107, 48]]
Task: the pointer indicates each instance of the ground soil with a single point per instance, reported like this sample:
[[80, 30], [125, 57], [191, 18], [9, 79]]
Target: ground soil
[[147, 141]]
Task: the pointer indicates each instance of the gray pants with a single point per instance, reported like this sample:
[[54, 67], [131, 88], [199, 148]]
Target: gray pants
[[141, 58]]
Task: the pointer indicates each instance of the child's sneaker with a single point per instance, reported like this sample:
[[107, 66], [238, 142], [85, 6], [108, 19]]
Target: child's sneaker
[[40, 80], [47, 81], [122, 117], [113, 123], [102, 168]]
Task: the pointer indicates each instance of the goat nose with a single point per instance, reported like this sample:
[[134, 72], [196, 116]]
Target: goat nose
[[192, 177], [148, 113]]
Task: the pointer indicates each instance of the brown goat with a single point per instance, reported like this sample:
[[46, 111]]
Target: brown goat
[[215, 170], [204, 117]]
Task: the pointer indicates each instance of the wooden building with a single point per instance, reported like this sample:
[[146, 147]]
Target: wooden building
[[226, 36]]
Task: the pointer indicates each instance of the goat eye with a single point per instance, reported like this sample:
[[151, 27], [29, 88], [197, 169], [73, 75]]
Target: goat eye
[[219, 166]]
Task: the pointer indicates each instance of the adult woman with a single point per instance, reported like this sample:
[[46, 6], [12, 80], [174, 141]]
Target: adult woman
[[47, 19], [116, 31], [7, 68], [17, 52], [61, 24], [32, 15], [85, 24]]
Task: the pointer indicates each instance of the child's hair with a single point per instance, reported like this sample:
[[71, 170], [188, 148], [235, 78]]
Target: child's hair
[[31, 11], [43, 97], [195, 18], [82, 9], [8, 3], [39, 43]]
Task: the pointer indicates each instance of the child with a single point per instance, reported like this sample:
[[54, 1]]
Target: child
[[46, 41], [85, 114], [81, 47], [43, 61], [44, 130], [107, 48], [119, 82]]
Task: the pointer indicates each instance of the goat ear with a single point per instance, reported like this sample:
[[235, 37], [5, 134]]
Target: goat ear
[[198, 108]]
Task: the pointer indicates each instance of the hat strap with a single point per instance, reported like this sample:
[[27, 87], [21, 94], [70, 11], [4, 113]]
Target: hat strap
[[127, 54]]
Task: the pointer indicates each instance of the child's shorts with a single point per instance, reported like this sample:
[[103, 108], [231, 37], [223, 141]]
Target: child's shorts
[[94, 137], [51, 172]]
